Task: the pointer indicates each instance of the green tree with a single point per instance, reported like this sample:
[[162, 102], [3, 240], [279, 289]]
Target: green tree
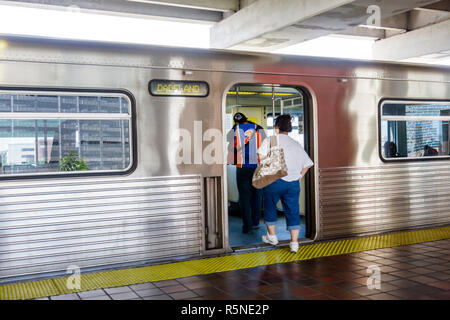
[[72, 163]]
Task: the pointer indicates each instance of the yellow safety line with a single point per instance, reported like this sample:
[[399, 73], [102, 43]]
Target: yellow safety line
[[125, 277]]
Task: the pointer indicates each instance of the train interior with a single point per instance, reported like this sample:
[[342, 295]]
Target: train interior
[[261, 104]]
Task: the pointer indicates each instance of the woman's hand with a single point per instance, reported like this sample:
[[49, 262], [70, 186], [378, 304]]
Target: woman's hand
[[304, 171]]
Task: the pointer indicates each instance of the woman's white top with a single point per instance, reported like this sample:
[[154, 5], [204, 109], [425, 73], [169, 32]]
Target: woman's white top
[[296, 158]]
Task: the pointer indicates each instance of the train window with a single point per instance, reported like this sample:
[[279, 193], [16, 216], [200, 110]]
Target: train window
[[64, 133], [415, 130]]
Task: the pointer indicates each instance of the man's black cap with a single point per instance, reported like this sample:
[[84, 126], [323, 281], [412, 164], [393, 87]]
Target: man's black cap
[[239, 117]]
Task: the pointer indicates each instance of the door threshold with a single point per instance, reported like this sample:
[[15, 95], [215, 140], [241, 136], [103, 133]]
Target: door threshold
[[265, 246]]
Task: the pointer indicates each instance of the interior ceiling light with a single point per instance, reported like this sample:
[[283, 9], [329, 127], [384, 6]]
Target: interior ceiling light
[[259, 93]]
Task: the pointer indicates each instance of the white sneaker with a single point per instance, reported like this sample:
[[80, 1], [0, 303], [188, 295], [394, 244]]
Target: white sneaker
[[273, 240], [293, 246]]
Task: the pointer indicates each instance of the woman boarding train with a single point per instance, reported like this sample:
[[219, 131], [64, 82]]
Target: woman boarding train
[[286, 189]]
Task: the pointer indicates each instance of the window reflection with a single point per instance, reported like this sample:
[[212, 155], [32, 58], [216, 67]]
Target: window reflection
[[39, 145], [415, 131]]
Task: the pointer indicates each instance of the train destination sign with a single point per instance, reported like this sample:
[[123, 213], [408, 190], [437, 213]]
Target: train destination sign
[[178, 88]]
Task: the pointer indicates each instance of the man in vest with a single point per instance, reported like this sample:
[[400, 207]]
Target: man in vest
[[248, 137]]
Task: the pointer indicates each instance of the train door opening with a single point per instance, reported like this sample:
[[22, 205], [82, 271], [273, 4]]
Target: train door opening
[[261, 104]]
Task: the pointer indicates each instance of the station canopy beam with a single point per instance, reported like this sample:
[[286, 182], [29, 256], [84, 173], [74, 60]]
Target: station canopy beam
[[443, 5], [268, 25], [434, 42], [184, 10], [220, 5]]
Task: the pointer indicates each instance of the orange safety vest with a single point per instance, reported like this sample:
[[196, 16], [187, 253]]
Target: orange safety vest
[[248, 135]]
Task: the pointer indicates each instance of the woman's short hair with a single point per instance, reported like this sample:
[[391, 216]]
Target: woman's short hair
[[284, 123]]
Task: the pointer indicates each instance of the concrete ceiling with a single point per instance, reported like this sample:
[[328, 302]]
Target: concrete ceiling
[[404, 29]]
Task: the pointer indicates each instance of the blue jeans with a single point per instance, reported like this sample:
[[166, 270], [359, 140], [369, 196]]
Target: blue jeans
[[288, 193]]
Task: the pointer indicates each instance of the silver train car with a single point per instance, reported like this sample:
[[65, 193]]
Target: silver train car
[[113, 113]]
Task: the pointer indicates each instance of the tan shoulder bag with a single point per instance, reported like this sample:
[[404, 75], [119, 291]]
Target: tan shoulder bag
[[271, 168]]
